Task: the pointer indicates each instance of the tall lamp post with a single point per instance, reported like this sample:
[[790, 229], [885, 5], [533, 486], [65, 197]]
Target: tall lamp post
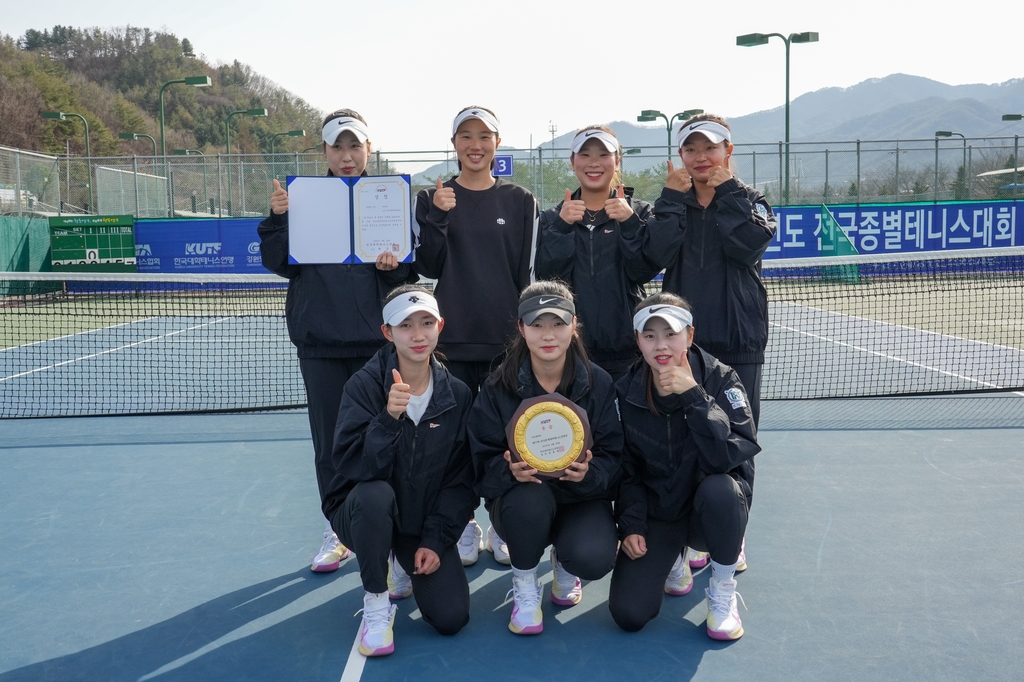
[[62, 116], [135, 136], [1016, 144], [755, 39], [227, 122], [206, 189], [290, 133], [227, 134], [648, 115], [194, 81], [951, 133]]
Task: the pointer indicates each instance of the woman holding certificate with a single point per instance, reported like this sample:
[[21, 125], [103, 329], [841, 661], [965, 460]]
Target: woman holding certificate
[[404, 481], [688, 469], [593, 241], [330, 308], [531, 505]]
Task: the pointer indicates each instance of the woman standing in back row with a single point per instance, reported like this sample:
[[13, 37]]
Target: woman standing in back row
[[477, 238], [593, 241]]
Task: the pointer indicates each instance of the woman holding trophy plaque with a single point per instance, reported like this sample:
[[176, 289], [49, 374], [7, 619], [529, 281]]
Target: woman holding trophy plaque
[[687, 469], [546, 443]]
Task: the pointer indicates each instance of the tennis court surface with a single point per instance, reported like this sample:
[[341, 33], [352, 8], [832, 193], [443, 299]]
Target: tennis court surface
[[884, 543]]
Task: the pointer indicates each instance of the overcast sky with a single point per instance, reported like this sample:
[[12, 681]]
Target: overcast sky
[[409, 66]]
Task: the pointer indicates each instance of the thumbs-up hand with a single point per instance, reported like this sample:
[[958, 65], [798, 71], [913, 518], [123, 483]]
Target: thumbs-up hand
[[678, 378], [444, 197], [719, 175], [398, 396], [617, 208], [678, 180], [279, 199], [572, 210]]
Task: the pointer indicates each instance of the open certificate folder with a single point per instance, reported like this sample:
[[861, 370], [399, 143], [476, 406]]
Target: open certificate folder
[[349, 220]]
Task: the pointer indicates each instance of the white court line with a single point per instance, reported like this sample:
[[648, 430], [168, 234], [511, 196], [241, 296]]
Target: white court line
[[356, 661], [112, 350], [887, 356], [68, 336], [895, 358]]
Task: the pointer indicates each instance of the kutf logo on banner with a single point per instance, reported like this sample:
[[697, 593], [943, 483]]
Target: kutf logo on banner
[[202, 248]]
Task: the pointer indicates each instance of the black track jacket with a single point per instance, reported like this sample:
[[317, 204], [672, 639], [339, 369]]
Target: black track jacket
[[706, 430], [712, 258], [333, 310], [427, 465], [606, 269], [494, 409]]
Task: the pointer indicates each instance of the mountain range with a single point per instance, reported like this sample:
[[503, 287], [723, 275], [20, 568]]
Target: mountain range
[[896, 107]]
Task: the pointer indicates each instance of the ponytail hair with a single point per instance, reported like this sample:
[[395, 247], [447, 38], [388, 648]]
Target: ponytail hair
[[660, 298], [506, 375]]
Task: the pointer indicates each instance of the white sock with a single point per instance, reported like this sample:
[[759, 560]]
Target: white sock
[[523, 574], [328, 525], [720, 572], [371, 600]]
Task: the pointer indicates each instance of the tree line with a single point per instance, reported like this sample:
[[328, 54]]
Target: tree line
[[113, 78]]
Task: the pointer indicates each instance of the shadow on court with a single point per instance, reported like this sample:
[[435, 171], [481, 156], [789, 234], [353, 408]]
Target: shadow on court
[[885, 543]]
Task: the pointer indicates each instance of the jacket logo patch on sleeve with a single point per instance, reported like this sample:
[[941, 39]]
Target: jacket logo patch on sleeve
[[736, 398], [761, 209]]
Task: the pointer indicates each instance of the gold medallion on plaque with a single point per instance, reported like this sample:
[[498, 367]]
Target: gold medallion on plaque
[[549, 433]]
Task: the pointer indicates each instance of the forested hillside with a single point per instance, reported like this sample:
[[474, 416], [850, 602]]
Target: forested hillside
[[113, 78]]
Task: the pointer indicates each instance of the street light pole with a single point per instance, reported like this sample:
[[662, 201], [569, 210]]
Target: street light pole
[[62, 116], [227, 134], [135, 136], [1016, 143], [755, 39], [648, 115], [951, 133], [194, 81]]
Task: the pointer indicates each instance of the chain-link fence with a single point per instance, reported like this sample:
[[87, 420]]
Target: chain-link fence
[[239, 185]]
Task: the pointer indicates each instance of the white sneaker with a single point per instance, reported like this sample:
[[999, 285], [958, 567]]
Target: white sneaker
[[741, 562], [527, 617], [376, 633], [331, 554], [723, 615], [497, 547], [697, 559], [680, 578], [399, 582], [566, 589], [470, 544]]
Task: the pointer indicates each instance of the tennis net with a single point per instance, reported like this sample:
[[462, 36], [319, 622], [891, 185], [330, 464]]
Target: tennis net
[[852, 326]]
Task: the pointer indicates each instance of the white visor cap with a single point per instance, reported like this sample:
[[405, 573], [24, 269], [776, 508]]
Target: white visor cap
[[716, 132], [678, 318], [488, 119], [336, 126], [609, 141], [404, 305]]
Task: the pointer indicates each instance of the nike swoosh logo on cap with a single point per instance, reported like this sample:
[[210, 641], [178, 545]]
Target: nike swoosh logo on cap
[[591, 132], [654, 310], [698, 124], [550, 300]]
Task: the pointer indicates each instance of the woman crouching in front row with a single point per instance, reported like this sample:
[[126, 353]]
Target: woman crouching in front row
[[687, 469], [403, 483]]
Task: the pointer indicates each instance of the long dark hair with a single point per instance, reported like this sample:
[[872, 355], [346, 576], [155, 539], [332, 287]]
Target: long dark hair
[[660, 298], [506, 375]]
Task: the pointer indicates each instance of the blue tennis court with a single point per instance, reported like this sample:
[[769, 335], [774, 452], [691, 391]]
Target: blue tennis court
[[884, 543]]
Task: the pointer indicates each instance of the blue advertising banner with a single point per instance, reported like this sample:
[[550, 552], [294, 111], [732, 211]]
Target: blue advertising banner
[[199, 246], [898, 228]]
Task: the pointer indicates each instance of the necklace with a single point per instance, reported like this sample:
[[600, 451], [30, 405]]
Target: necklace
[[591, 216]]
